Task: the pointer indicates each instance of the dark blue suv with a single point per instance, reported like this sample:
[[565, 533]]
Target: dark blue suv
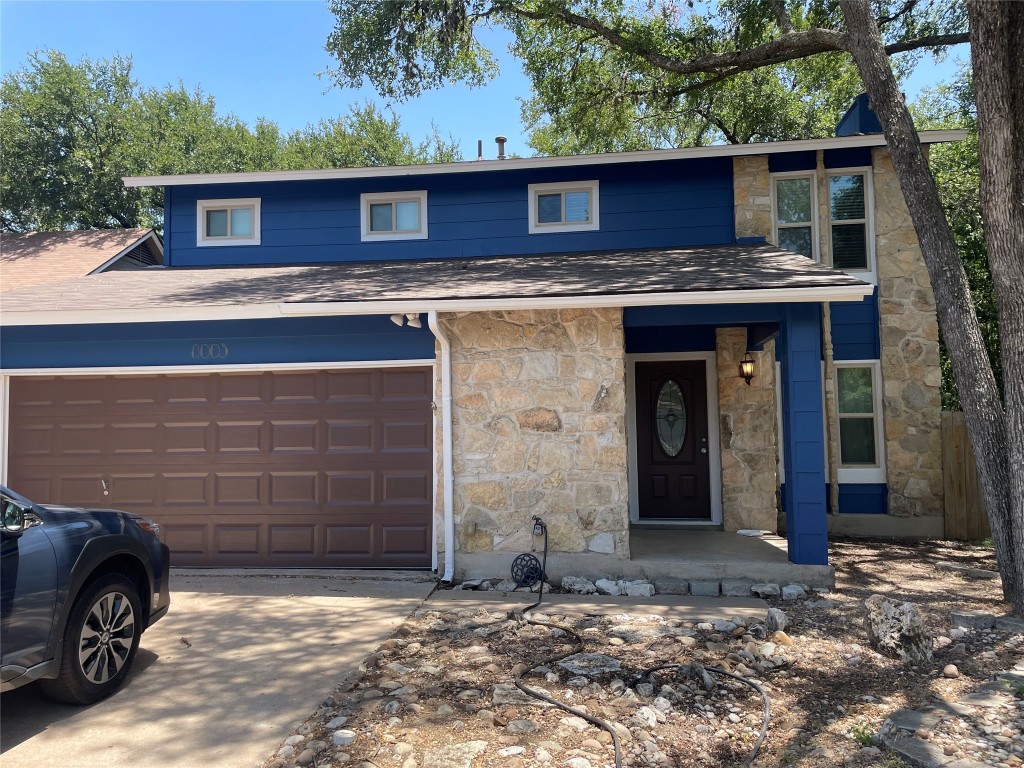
[[79, 587]]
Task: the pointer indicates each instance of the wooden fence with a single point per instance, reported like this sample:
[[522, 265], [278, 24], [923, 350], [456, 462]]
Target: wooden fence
[[965, 514]]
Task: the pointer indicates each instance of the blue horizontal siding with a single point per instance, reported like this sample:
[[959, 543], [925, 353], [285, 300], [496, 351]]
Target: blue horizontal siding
[[286, 340], [702, 314], [642, 205], [855, 334]]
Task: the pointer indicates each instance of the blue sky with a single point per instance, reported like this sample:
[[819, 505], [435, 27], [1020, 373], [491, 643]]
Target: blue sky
[[261, 59], [257, 59]]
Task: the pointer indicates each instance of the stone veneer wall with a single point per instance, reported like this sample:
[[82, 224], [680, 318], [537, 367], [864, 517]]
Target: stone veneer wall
[[912, 378], [748, 425], [752, 196], [539, 429]]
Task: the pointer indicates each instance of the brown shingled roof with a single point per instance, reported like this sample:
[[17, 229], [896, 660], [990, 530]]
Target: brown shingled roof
[[29, 259], [451, 281]]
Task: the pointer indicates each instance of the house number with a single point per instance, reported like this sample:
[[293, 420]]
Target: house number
[[209, 351]]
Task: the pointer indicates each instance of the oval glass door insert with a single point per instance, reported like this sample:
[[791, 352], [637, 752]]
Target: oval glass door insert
[[670, 418]]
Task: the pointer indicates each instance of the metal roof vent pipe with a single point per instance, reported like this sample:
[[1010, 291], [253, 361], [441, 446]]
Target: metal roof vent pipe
[[479, 149], [500, 140]]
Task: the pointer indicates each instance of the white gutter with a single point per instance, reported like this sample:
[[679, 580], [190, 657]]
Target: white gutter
[[170, 314], [478, 166], [447, 473]]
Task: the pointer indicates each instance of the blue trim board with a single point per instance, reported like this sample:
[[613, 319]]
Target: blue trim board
[[799, 348], [856, 498], [782, 162], [670, 339], [849, 157], [286, 340]]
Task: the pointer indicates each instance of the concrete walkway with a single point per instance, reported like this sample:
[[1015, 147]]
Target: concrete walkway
[[235, 666]]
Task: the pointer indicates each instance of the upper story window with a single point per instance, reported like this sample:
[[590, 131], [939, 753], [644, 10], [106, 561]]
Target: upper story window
[[228, 222], [849, 200], [393, 216], [849, 225], [794, 211], [568, 207]]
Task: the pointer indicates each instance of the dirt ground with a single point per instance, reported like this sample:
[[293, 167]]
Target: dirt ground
[[433, 684]]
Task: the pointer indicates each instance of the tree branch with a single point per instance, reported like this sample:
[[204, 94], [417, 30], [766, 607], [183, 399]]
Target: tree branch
[[782, 15], [787, 47]]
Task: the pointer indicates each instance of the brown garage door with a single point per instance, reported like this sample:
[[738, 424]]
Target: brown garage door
[[307, 468]]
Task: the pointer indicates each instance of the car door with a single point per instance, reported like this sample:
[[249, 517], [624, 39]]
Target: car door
[[28, 593]]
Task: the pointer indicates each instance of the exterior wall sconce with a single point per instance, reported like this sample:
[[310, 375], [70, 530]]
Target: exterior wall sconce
[[412, 319], [747, 368]]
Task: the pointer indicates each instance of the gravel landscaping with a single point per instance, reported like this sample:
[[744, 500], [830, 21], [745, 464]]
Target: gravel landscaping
[[441, 692]]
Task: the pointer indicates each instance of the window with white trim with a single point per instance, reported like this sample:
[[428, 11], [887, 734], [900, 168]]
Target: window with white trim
[[794, 210], [859, 408], [228, 222], [564, 207], [393, 216], [850, 225]]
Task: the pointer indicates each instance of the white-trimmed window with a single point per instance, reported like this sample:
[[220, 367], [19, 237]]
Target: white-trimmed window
[[794, 216], [228, 222], [851, 229], [393, 216], [859, 406], [564, 207]]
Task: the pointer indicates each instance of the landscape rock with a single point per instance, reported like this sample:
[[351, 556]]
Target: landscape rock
[[590, 664], [453, 755], [578, 585], [896, 629], [972, 619], [766, 589], [639, 589], [705, 588], [793, 592], [607, 587], [777, 619]]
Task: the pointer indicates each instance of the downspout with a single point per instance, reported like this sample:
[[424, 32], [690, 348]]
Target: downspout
[[831, 404], [447, 474]]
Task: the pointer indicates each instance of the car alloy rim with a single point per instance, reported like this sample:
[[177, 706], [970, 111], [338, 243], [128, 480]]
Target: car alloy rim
[[107, 637]]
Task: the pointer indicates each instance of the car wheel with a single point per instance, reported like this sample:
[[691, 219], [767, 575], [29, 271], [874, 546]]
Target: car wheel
[[100, 641]]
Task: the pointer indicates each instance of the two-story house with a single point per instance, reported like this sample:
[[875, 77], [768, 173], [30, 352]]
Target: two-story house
[[401, 366]]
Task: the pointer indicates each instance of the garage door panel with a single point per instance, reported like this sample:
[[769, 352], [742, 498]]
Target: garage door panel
[[186, 490], [350, 488], [295, 437], [294, 489], [350, 436], [328, 468], [186, 541]]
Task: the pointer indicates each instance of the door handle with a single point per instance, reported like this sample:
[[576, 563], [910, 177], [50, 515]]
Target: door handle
[[106, 487]]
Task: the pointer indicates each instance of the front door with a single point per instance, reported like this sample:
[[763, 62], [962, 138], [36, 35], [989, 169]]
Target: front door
[[673, 473]]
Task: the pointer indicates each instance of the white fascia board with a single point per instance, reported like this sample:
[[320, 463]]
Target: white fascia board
[[479, 166], [403, 306]]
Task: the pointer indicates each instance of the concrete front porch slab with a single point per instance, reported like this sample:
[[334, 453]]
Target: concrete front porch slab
[[676, 554]]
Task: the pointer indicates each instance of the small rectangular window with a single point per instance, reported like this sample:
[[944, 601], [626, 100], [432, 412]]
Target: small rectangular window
[[228, 222], [393, 216], [568, 207], [858, 417], [794, 215], [848, 222]]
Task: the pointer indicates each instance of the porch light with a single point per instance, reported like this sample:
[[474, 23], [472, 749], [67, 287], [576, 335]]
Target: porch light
[[747, 368], [414, 320]]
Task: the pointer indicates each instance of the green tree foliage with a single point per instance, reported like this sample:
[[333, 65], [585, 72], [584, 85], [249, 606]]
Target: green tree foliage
[[955, 166], [610, 75], [70, 132]]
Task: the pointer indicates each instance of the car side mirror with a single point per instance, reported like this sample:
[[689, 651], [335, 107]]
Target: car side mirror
[[12, 519]]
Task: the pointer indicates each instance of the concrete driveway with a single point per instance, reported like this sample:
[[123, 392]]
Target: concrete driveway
[[234, 667]]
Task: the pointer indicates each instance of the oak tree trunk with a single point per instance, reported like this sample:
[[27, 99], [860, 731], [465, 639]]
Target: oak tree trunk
[[997, 59], [967, 353]]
